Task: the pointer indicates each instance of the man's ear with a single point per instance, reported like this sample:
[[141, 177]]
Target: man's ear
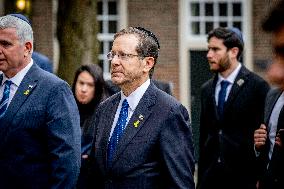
[[28, 48], [149, 63], [234, 51]]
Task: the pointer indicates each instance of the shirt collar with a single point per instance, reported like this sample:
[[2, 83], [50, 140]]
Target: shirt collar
[[231, 78], [17, 79], [134, 98]]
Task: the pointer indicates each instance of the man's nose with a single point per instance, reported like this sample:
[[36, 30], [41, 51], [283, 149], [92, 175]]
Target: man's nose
[[209, 54], [115, 59]]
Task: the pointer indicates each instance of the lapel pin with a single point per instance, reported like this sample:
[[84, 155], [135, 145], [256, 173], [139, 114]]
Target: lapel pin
[[240, 82], [136, 123], [27, 92], [141, 117]]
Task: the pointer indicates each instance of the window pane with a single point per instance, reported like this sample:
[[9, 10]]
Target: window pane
[[238, 25], [112, 26], [223, 9], [110, 45], [100, 26], [101, 63], [112, 10], [208, 26], [237, 9], [99, 8], [209, 9], [195, 28], [195, 9], [101, 47], [223, 24]]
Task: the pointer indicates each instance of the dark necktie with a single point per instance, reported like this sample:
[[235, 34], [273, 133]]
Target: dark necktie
[[118, 131], [5, 98], [222, 97]]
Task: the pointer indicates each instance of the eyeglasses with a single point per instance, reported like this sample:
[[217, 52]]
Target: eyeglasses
[[120, 55]]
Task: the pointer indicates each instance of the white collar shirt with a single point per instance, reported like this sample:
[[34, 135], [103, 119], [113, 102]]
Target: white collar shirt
[[133, 99], [273, 121], [16, 81], [231, 78]]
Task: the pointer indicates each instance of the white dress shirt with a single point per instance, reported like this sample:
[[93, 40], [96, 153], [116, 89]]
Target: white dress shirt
[[16, 81], [231, 78], [273, 121], [133, 100]]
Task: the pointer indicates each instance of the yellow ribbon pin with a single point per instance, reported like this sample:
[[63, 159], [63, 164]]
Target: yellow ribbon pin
[[27, 92], [136, 123]]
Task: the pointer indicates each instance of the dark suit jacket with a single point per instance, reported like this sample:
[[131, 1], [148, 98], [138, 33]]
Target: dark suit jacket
[[158, 153], [40, 135], [231, 138], [272, 177], [42, 61]]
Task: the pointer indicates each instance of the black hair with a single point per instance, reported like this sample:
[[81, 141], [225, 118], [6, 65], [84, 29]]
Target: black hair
[[230, 37], [274, 20], [97, 74]]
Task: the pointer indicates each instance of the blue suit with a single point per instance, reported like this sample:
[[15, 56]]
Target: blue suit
[[40, 135], [155, 151], [42, 61]]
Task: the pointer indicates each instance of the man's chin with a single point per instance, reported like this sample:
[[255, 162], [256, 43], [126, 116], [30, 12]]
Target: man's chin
[[116, 80]]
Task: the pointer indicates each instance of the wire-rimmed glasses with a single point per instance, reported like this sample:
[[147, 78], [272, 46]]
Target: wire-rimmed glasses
[[120, 55]]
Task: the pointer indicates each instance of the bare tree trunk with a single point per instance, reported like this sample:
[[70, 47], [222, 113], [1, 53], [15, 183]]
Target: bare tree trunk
[[77, 34]]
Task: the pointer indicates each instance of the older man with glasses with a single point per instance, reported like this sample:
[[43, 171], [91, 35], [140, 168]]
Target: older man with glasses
[[143, 136]]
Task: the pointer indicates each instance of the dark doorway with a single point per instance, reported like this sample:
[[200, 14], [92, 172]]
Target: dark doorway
[[199, 73]]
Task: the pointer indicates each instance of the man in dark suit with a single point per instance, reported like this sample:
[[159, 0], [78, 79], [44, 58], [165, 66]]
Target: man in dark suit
[[268, 139], [151, 146], [42, 61], [229, 115], [39, 119]]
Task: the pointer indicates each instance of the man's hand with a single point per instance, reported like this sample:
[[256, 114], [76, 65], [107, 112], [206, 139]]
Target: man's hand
[[278, 140], [260, 136]]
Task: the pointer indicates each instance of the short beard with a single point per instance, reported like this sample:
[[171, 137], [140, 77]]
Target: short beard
[[224, 64]]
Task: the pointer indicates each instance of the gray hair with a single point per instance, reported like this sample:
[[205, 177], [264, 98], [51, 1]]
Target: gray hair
[[23, 29]]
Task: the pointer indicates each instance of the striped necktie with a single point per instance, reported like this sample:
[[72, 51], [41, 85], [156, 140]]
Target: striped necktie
[[118, 131], [5, 98]]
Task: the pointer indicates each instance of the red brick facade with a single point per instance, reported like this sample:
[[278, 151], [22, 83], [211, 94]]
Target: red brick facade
[[160, 16]]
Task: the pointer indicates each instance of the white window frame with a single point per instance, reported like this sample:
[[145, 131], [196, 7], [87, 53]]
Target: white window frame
[[107, 37], [189, 42]]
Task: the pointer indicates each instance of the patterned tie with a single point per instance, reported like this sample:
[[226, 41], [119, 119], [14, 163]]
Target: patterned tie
[[222, 97], [5, 98], [118, 131]]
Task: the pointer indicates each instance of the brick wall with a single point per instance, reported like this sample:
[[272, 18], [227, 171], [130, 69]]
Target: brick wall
[[262, 52], [161, 17]]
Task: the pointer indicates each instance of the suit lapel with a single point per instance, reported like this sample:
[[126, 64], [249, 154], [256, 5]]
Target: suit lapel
[[25, 89], [270, 105], [212, 93], [137, 120], [238, 84], [110, 111]]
